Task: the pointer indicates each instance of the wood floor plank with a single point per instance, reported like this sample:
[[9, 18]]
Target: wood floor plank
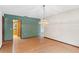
[[6, 47], [43, 45]]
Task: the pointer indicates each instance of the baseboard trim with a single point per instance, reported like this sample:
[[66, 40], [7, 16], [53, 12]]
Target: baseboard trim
[[1, 45], [62, 42], [8, 40], [29, 37]]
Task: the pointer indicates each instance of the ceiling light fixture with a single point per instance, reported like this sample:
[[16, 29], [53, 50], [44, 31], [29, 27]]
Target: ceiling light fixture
[[44, 21]]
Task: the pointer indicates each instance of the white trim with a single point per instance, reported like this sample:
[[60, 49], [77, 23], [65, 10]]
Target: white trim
[[0, 29], [0, 45]]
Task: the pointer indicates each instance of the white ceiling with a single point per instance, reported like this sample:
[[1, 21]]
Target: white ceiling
[[35, 10]]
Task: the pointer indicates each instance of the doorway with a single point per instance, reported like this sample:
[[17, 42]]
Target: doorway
[[16, 29]]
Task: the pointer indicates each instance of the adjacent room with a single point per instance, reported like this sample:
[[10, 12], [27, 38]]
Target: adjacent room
[[39, 28]]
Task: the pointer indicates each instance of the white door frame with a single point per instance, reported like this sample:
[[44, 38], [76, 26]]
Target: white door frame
[[0, 29]]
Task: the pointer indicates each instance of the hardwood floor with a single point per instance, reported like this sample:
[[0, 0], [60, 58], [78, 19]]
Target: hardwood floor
[[42, 45], [6, 47]]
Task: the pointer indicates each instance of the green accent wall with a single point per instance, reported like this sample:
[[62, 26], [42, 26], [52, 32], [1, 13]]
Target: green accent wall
[[8, 25], [30, 27]]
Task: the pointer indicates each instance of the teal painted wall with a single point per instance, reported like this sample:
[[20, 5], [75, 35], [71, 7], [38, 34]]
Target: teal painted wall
[[8, 25], [30, 27]]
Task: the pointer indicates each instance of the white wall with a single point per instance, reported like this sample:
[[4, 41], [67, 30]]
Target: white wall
[[0, 29], [64, 27]]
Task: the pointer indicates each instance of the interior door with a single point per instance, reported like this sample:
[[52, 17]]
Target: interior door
[[19, 27]]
